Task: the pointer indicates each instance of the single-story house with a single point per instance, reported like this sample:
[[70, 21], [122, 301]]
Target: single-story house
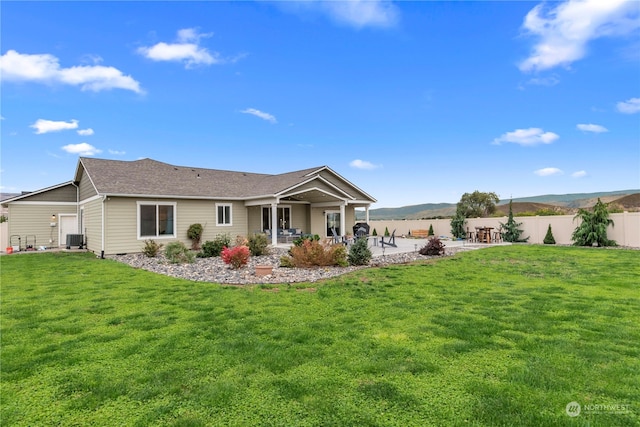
[[117, 205]]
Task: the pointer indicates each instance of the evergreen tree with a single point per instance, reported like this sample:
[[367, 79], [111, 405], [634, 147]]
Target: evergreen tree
[[430, 230], [592, 231], [457, 225], [548, 238], [511, 232]]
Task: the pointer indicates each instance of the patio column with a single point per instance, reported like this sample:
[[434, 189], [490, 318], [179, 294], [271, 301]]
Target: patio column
[[343, 223], [274, 221], [366, 214]]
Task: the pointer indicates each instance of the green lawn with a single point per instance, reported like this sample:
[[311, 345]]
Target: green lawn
[[499, 336]]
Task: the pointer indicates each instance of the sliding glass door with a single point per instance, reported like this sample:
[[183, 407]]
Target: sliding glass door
[[283, 220], [333, 222]]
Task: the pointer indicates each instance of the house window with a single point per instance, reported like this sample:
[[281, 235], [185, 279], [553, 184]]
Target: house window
[[223, 214], [156, 220]]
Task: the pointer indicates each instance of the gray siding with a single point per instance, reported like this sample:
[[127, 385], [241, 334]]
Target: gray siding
[[35, 219], [345, 186], [86, 188], [67, 193], [92, 224], [121, 228]]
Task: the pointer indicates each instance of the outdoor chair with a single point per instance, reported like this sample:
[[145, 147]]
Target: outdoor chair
[[471, 236], [337, 239], [391, 241]]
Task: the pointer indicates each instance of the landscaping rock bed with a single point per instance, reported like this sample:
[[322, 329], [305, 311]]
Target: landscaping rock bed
[[216, 271]]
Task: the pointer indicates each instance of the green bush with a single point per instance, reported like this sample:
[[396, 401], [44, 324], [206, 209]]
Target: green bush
[[299, 240], [314, 254], [386, 232], [548, 238], [195, 233], [593, 229], [178, 253], [375, 233], [359, 253], [214, 248], [151, 248], [258, 244], [431, 233]]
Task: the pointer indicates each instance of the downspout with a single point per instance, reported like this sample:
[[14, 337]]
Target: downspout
[[104, 199]]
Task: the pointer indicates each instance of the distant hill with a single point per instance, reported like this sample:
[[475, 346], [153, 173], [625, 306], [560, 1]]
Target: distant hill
[[564, 203]]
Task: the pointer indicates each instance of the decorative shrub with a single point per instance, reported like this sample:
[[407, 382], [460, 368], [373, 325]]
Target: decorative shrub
[[433, 247], [151, 248], [214, 248], [431, 233], [258, 244], [314, 254], [195, 234], [548, 238], [374, 233], [593, 229], [238, 256], [299, 240], [178, 253], [386, 232], [359, 253]]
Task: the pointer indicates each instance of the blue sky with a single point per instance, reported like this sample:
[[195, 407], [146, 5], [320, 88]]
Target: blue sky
[[414, 102]]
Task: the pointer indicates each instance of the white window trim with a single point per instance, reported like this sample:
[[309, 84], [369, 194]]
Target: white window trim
[[218, 223], [156, 204]]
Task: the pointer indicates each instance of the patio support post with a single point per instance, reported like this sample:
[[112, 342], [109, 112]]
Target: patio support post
[[274, 220], [343, 229], [366, 214]]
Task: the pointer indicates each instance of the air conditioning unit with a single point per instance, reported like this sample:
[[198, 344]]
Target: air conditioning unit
[[75, 240]]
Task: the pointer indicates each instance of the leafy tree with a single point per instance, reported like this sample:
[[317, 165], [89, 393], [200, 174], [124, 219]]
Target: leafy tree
[[548, 238], [477, 204], [592, 231], [457, 225], [511, 232]]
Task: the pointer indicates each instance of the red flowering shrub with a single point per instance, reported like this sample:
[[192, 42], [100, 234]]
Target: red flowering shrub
[[238, 256]]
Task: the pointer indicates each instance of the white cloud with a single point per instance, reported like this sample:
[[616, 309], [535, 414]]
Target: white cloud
[[579, 174], [630, 106], [186, 50], [564, 31], [45, 68], [548, 172], [45, 126], [362, 164], [117, 153], [85, 132], [527, 137], [362, 13], [82, 149], [264, 116], [592, 128], [544, 81], [353, 13]]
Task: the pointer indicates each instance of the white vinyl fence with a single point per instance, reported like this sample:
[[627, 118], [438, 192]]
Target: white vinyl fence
[[625, 231]]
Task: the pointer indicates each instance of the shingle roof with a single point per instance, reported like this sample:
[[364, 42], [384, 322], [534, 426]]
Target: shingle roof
[[152, 178]]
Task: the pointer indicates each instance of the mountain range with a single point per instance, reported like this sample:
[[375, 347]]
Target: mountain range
[[562, 203]]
